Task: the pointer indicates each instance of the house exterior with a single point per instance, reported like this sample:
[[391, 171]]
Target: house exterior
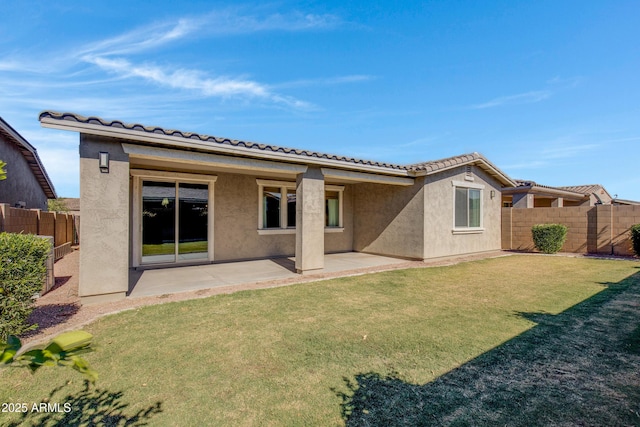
[[27, 184], [624, 202], [152, 197], [529, 194], [72, 204], [597, 194]]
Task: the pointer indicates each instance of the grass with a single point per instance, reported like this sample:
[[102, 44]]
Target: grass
[[169, 248], [480, 343]]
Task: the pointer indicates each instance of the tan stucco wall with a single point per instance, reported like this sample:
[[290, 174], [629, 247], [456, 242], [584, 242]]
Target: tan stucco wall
[[104, 207], [438, 219], [342, 241], [236, 223], [388, 219]]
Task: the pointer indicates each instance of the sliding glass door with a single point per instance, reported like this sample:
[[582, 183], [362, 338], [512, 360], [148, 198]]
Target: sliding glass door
[[192, 219], [174, 212]]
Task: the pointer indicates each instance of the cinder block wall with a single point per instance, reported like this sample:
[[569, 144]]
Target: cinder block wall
[[623, 218], [602, 229]]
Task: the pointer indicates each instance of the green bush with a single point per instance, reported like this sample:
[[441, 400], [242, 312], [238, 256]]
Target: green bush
[[22, 272], [549, 238], [635, 238]]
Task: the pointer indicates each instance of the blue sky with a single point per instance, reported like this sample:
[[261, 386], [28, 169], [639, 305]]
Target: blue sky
[[548, 90]]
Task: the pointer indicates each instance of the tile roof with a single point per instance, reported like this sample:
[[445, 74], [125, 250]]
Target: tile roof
[[415, 169], [461, 160], [31, 156], [211, 139], [584, 189], [436, 165], [578, 190]]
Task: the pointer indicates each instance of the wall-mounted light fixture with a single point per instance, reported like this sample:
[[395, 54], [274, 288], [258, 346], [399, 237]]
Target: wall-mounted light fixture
[[103, 161], [493, 193]]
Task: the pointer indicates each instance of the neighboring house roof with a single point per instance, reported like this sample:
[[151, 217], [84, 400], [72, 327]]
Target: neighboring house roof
[[188, 140], [595, 189], [31, 156], [624, 202], [73, 204], [527, 186]]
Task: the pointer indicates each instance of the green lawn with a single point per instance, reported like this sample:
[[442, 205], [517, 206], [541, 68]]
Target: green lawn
[[473, 344], [169, 248]]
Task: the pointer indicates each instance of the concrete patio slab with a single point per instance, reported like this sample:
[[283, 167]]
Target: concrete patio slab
[[181, 279]]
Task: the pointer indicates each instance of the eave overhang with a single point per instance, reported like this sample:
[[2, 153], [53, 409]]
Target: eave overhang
[[30, 154], [196, 143]]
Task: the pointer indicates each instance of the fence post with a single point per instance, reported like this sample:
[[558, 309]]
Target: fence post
[[611, 222], [55, 228], [37, 221], [4, 216]]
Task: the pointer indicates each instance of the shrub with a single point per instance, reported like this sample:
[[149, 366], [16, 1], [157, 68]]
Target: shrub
[[22, 273], [635, 238], [549, 238]]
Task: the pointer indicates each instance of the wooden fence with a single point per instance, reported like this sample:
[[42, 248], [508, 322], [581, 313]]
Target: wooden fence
[[61, 226], [601, 229]]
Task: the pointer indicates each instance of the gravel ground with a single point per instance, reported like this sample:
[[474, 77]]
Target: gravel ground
[[60, 310]]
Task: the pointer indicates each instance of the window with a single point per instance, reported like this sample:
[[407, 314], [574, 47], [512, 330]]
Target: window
[[291, 207], [277, 205], [271, 204], [277, 210], [332, 209], [468, 207]]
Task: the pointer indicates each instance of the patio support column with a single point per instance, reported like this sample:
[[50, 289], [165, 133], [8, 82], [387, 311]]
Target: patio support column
[[557, 203], [310, 221]]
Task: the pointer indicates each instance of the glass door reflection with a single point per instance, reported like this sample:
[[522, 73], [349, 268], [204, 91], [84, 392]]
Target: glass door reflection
[[158, 222], [193, 221]]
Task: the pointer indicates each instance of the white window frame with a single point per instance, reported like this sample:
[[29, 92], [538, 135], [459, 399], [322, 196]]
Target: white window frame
[[340, 190], [140, 175], [283, 186], [467, 185]]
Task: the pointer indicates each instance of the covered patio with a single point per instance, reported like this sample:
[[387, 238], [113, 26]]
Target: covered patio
[[163, 281]]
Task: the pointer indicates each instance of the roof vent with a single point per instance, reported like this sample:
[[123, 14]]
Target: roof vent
[[468, 176]]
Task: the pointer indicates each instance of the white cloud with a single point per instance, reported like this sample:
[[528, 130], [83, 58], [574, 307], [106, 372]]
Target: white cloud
[[565, 83], [328, 81], [42, 80], [562, 152], [233, 21], [195, 80], [141, 39], [227, 22], [535, 164], [521, 98]]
